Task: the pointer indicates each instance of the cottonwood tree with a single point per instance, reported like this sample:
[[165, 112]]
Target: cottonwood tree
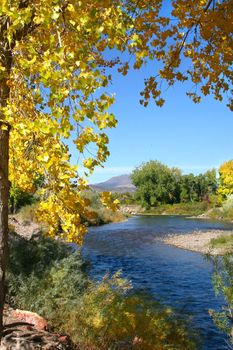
[[55, 64], [156, 184], [226, 179]]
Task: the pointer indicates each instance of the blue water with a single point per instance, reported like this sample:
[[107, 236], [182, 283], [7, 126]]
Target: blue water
[[176, 277]]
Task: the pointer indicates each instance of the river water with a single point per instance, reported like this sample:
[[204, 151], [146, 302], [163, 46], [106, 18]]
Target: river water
[[176, 277]]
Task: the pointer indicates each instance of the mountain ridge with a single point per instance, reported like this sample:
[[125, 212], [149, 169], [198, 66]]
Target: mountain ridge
[[120, 183]]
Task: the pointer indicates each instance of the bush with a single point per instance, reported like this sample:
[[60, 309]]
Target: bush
[[47, 277], [28, 213], [225, 242], [223, 285], [19, 198], [113, 318], [228, 203], [191, 208], [215, 200]]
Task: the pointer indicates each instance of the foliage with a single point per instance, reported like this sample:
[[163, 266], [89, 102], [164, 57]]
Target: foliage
[[228, 203], [44, 276], [192, 42], [199, 187], [19, 198], [226, 178], [221, 214], [126, 198], [215, 200], [224, 241], [190, 208], [223, 284], [35, 255], [99, 213], [113, 319], [55, 67], [158, 184], [28, 213]]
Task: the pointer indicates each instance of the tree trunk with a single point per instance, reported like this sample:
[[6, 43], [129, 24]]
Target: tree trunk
[[6, 61], [4, 196]]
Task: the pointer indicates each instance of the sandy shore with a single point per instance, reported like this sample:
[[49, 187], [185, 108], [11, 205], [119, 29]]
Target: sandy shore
[[197, 241]]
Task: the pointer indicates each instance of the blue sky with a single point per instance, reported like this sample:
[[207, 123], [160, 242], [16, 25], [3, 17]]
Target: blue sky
[[193, 137]]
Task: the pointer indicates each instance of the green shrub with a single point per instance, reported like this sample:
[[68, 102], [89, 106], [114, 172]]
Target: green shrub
[[36, 255], [112, 318], [19, 198], [215, 200], [190, 208], [225, 242], [47, 277], [99, 214], [223, 285]]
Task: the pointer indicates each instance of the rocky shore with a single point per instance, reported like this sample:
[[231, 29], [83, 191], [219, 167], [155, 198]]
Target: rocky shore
[[197, 241]]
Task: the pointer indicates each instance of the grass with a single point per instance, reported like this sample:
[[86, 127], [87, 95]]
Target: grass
[[222, 214], [192, 208], [103, 216], [225, 242], [28, 213], [100, 215]]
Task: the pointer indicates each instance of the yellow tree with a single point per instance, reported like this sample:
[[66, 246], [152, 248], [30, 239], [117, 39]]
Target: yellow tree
[[226, 178], [55, 64]]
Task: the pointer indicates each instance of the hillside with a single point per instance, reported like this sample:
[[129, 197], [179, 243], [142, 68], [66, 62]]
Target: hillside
[[119, 184]]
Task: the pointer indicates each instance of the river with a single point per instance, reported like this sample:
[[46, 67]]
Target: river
[[176, 277]]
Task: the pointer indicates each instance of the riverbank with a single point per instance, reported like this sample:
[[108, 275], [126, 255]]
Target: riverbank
[[188, 209], [194, 210], [201, 242]]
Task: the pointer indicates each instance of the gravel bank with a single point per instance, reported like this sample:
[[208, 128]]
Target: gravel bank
[[197, 241]]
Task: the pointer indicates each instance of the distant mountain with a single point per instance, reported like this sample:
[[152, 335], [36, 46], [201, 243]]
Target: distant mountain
[[120, 184]]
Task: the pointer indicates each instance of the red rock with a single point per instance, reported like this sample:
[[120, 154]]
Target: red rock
[[30, 317], [63, 339]]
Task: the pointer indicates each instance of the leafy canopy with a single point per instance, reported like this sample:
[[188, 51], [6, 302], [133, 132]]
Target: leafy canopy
[[55, 66], [226, 178], [156, 184]]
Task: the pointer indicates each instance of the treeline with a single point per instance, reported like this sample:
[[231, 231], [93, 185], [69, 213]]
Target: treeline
[[157, 184]]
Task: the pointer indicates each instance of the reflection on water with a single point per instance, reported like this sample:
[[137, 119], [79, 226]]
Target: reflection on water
[[177, 277]]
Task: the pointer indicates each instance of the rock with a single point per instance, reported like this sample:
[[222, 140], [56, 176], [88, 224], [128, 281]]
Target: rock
[[25, 330], [30, 317]]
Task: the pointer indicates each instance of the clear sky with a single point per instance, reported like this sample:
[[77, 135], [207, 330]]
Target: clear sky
[[193, 137]]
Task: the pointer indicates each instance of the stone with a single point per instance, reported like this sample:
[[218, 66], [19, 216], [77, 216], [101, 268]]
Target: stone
[[30, 317]]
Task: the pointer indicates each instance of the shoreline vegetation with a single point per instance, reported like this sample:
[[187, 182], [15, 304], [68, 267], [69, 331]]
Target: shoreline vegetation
[[33, 290], [214, 242], [198, 210], [45, 273]]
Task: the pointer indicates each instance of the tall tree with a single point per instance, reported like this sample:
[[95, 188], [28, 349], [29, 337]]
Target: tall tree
[[52, 66], [156, 183]]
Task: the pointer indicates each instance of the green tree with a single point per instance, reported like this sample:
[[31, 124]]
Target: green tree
[[156, 183], [188, 188], [19, 198], [199, 187]]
